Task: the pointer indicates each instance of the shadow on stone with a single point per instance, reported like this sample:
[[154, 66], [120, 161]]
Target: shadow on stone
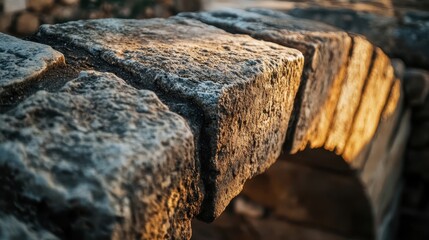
[[313, 194]]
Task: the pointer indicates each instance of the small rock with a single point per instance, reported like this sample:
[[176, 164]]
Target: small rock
[[13, 5], [244, 88], [27, 23], [103, 159], [21, 60], [12, 228], [39, 5], [5, 21]]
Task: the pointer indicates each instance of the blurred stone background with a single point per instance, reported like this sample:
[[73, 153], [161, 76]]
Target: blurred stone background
[[23, 17]]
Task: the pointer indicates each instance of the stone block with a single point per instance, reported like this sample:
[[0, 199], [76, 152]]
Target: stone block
[[326, 50], [27, 23], [99, 160], [21, 61], [237, 92], [373, 100]]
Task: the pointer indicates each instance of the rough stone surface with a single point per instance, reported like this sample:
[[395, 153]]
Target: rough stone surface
[[98, 160], [373, 100], [242, 89], [5, 21], [27, 23], [21, 61], [351, 93], [12, 228], [404, 36], [326, 52]]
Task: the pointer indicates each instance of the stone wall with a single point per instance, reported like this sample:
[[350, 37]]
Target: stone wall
[[23, 17], [128, 129], [401, 33]]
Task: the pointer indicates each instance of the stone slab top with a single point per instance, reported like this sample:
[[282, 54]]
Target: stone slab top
[[325, 49], [241, 88], [99, 148], [23, 60]]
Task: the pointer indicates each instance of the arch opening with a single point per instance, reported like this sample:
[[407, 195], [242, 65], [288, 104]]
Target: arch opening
[[313, 194]]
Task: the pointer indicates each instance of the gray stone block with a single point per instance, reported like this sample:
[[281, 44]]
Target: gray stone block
[[21, 61], [98, 160], [325, 49], [237, 92]]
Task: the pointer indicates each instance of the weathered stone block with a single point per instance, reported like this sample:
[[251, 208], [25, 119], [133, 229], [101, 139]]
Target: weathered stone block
[[27, 23], [373, 100], [237, 92], [21, 61], [403, 35], [98, 160], [349, 100], [326, 51]]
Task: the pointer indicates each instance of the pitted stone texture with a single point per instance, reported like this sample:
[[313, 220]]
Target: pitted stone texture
[[403, 35], [326, 52], [244, 88], [21, 60], [99, 159], [374, 97], [351, 93]]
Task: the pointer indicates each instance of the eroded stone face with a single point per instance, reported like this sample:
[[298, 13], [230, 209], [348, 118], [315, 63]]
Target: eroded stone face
[[360, 59], [241, 89], [98, 159], [22, 60], [326, 51], [374, 97]]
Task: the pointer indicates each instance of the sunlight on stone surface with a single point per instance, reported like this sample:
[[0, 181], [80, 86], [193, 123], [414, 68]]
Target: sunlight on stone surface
[[303, 119]]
